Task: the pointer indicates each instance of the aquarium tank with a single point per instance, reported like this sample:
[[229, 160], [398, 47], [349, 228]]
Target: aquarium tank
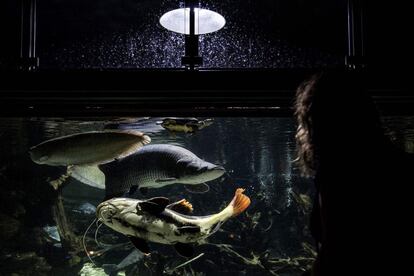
[[157, 137], [49, 230]]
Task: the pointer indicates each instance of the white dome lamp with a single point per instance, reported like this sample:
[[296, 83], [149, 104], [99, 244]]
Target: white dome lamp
[[192, 22]]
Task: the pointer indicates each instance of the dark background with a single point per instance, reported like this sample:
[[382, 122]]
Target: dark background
[[266, 47], [126, 34], [306, 28]]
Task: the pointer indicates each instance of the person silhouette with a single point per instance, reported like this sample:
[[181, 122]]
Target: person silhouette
[[361, 208]]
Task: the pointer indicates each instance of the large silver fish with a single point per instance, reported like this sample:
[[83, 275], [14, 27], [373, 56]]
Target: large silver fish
[[158, 221], [156, 166], [82, 152], [96, 147]]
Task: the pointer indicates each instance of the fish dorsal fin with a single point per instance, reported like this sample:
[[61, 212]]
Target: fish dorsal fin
[[182, 206], [197, 188], [184, 249], [154, 205], [140, 244]]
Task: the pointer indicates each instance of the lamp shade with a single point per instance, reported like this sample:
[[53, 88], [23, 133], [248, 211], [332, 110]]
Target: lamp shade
[[206, 21]]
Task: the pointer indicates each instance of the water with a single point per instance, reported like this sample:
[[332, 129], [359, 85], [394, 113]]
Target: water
[[41, 230], [400, 130]]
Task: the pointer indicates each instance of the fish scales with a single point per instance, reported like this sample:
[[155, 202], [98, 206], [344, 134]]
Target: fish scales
[[151, 166]]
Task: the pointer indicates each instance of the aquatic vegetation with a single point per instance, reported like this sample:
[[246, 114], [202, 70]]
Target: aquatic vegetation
[[171, 270]]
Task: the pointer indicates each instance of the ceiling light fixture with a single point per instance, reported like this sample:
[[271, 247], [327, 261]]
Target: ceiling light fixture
[[192, 21], [206, 21]]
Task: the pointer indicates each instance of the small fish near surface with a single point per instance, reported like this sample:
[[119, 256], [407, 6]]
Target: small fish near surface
[[157, 220], [156, 166], [186, 125], [82, 152]]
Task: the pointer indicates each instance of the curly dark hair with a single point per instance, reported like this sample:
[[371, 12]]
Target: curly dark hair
[[306, 154]]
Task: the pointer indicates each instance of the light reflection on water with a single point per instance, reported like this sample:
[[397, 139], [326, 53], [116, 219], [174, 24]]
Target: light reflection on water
[[256, 152]]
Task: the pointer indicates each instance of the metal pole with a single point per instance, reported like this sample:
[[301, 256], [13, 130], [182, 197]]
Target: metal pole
[[28, 33], [191, 60], [355, 58]]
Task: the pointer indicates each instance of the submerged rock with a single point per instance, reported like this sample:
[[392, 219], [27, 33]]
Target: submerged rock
[[89, 269], [52, 232]]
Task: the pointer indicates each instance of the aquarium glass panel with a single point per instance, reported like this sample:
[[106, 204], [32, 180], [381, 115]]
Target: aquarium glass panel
[[50, 173]]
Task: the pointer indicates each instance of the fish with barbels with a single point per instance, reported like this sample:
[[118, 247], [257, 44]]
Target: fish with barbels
[[156, 166], [81, 152], [159, 221], [186, 125]]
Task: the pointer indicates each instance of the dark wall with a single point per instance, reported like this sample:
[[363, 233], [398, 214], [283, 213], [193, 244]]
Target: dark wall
[[389, 30], [9, 33]]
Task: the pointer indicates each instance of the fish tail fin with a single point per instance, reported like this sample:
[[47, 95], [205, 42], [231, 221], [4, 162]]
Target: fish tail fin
[[240, 202]]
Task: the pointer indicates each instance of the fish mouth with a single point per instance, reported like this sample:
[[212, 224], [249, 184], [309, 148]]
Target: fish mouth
[[32, 154], [215, 172], [219, 168], [109, 209], [105, 211], [35, 159], [98, 209]]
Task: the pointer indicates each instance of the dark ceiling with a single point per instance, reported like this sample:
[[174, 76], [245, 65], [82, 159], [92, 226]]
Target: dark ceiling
[[126, 34], [261, 37], [109, 34]]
